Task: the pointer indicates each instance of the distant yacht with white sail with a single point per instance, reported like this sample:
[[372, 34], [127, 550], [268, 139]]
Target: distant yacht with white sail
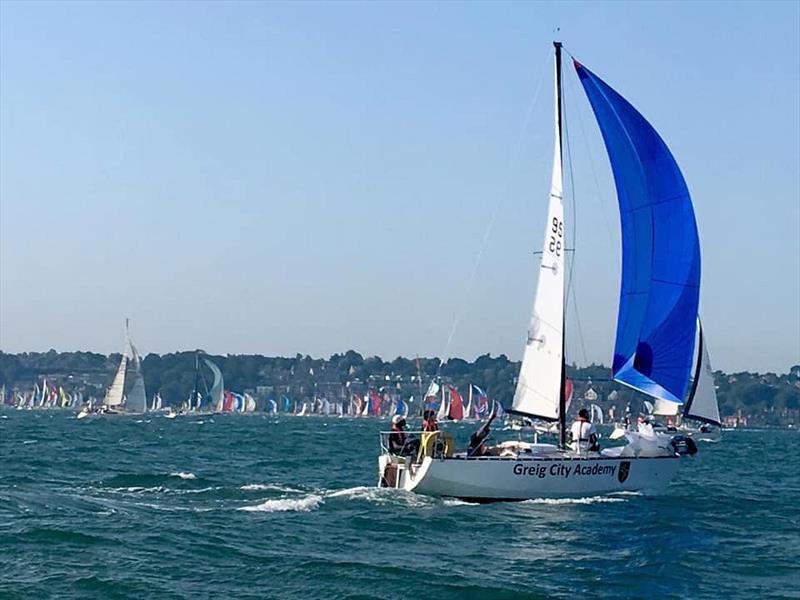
[[127, 393], [204, 398]]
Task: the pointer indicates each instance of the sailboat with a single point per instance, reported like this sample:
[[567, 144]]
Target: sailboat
[[455, 410], [656, 328], [127, 393], [700, 406], [209, 399]]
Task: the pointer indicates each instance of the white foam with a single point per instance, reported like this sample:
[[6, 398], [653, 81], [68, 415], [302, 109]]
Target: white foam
[[306, 504], [456, 502], [140, 489], [381, 496], [257, 487], [164, 508], [361, 491], [183, 475], [563, 501]]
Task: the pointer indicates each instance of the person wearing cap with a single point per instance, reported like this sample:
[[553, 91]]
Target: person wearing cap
[[584, 435]]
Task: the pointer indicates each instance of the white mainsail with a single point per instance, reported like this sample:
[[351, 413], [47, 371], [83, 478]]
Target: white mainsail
[[702, 403], [116, 392], [217, 388], [539, 383], [136, 399]]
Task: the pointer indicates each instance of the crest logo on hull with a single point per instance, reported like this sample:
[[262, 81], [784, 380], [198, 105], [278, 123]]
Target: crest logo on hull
[[624, 470]]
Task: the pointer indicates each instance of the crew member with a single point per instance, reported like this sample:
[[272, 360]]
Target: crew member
[[429, 421], [398, 439], [477, 447], [584, 435]]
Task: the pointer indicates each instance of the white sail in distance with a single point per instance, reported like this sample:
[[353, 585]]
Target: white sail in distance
[[665, 408], [217, 388], [702, 403], [444, 407], [540, 378], [115, 393], [136, 398]]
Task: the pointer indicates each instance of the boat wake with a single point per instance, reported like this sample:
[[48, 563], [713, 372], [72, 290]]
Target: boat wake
[[313, 500]]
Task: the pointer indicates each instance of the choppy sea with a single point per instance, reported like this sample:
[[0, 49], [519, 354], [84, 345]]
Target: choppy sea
[[257, 507]]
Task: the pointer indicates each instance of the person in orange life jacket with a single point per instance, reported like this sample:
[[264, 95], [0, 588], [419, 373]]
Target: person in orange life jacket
[[429, 421], [398, 439], [584, 435]]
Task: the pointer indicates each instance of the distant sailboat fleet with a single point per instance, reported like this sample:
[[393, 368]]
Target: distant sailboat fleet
[[126, 395]]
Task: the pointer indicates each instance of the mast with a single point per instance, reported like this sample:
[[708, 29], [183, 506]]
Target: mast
[[562, 398], [697, 369], [193, 402]]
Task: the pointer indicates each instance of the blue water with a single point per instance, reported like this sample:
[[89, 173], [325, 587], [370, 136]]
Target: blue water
[[257, 507]]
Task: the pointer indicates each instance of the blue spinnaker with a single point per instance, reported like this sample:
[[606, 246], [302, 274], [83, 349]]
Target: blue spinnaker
[[660, 287]]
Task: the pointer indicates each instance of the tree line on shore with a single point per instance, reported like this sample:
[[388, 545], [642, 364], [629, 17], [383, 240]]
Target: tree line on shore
[[173, 377]]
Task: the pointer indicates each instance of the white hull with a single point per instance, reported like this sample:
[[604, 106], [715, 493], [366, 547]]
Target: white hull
[[710, 434], [495, 478]]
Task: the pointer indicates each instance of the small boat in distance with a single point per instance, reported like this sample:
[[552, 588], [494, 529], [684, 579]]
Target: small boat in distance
[[126, 395], [655, 338]]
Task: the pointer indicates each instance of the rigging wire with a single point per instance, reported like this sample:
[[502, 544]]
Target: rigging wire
[[603, 202], [490, 225]]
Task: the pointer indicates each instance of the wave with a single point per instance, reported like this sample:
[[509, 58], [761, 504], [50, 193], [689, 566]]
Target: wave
[[306, 504], [136, 482], [160, 489]]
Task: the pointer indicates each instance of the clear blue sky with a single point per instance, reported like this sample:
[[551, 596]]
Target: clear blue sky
[[312, 177]]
